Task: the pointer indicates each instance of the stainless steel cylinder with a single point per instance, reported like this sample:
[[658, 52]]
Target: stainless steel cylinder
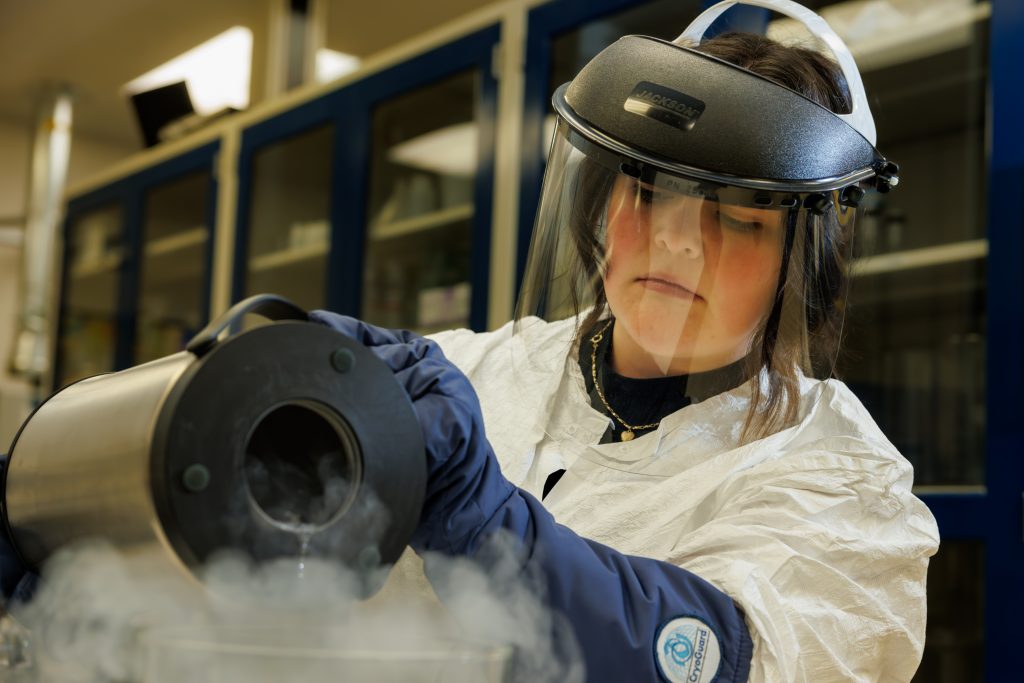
[[287, 439], [80, 468]]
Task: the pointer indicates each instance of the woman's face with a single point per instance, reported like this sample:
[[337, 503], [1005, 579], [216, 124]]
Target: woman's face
[[689, 280]]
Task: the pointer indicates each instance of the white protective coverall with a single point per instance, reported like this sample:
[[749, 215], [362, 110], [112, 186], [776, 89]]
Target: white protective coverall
[[813, 531]]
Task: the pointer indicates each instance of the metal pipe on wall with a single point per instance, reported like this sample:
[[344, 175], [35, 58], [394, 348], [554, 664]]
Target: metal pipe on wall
[[51, 151]]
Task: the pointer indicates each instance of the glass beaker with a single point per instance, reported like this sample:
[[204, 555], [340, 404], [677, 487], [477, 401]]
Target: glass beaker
[[257, 654]]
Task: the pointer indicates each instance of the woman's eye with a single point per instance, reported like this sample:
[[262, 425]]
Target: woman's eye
[[738, 224]]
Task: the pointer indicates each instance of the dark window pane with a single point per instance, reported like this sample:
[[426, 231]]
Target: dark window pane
[[89, 314], [915, 344], [954, 646], [419, 240], [173, 266], [289, 229]]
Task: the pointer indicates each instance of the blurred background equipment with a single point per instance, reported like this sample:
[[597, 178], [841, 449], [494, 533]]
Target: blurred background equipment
[[159, 107], [48, 171]]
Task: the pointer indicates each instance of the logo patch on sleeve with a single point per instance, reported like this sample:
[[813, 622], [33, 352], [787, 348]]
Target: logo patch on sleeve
[[687, 651]]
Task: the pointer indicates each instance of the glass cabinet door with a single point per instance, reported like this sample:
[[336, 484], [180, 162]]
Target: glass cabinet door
[[173, 267], [915, 339], [289, 227], [88, 324], [419, 240]]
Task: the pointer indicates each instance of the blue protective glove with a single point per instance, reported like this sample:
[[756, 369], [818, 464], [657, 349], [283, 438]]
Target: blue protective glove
[[16, 581], [636, 619]]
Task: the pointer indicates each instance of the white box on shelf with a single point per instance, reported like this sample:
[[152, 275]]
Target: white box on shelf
[[309, 233], [443, 305]]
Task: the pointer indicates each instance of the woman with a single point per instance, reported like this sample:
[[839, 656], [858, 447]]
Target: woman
[[710, 511]]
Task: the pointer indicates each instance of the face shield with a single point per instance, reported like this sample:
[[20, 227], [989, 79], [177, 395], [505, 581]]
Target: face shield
[[695, 226], [696, 274]]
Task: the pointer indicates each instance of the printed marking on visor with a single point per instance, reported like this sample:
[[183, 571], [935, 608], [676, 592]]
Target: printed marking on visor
[[657, 102], [687, 651]]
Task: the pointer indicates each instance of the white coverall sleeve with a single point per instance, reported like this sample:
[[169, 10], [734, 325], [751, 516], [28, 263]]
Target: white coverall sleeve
[[828, 559]]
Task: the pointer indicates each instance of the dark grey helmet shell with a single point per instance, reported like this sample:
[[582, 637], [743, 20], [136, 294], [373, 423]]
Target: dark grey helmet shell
[[729, 125]]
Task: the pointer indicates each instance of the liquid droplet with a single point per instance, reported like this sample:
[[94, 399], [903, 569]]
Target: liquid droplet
[[304, 537]]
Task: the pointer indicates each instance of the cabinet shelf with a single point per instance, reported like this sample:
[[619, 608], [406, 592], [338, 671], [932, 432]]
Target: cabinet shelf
[[915, 40], [970, 250], [101, 265], [427, 221], [177, 242], [170, 263], [288, 257], [910, 40]]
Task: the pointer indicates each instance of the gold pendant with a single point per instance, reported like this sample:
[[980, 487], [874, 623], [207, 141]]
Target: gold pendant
[[627, 435]]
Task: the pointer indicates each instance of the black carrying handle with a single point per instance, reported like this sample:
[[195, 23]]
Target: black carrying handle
[[270, 306]]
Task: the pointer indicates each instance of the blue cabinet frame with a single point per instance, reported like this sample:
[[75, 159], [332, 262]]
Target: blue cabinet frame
[[998, 518], [350, 110], [544, 23], [130, 193]]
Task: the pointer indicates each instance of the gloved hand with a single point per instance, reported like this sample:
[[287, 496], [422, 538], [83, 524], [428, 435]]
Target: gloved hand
[[635, 618], [463, 484], [16, 581]]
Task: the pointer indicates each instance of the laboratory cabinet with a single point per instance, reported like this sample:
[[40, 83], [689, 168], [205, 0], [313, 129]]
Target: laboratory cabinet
[[374, 199], [915, 348], [136, 267], [400, 193]]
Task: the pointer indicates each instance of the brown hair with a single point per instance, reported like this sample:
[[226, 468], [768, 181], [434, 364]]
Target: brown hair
[[809, 314], [802, 331]]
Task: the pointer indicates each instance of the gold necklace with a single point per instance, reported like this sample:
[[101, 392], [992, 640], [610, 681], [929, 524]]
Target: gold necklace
[[631, 430]]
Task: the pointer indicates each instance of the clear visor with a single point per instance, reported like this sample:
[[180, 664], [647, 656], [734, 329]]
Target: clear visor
[[677, 277]]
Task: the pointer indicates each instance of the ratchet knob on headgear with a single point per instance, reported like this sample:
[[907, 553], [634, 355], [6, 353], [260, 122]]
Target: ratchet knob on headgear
[[816, 203], [888, 177], [851, 196]]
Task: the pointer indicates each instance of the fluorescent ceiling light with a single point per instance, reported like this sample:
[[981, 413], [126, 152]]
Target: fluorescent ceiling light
[[217, 72], [331, 64], [449, 151]]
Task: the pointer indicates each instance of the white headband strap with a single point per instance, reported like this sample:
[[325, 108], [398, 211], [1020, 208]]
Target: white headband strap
[[860, 116]]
